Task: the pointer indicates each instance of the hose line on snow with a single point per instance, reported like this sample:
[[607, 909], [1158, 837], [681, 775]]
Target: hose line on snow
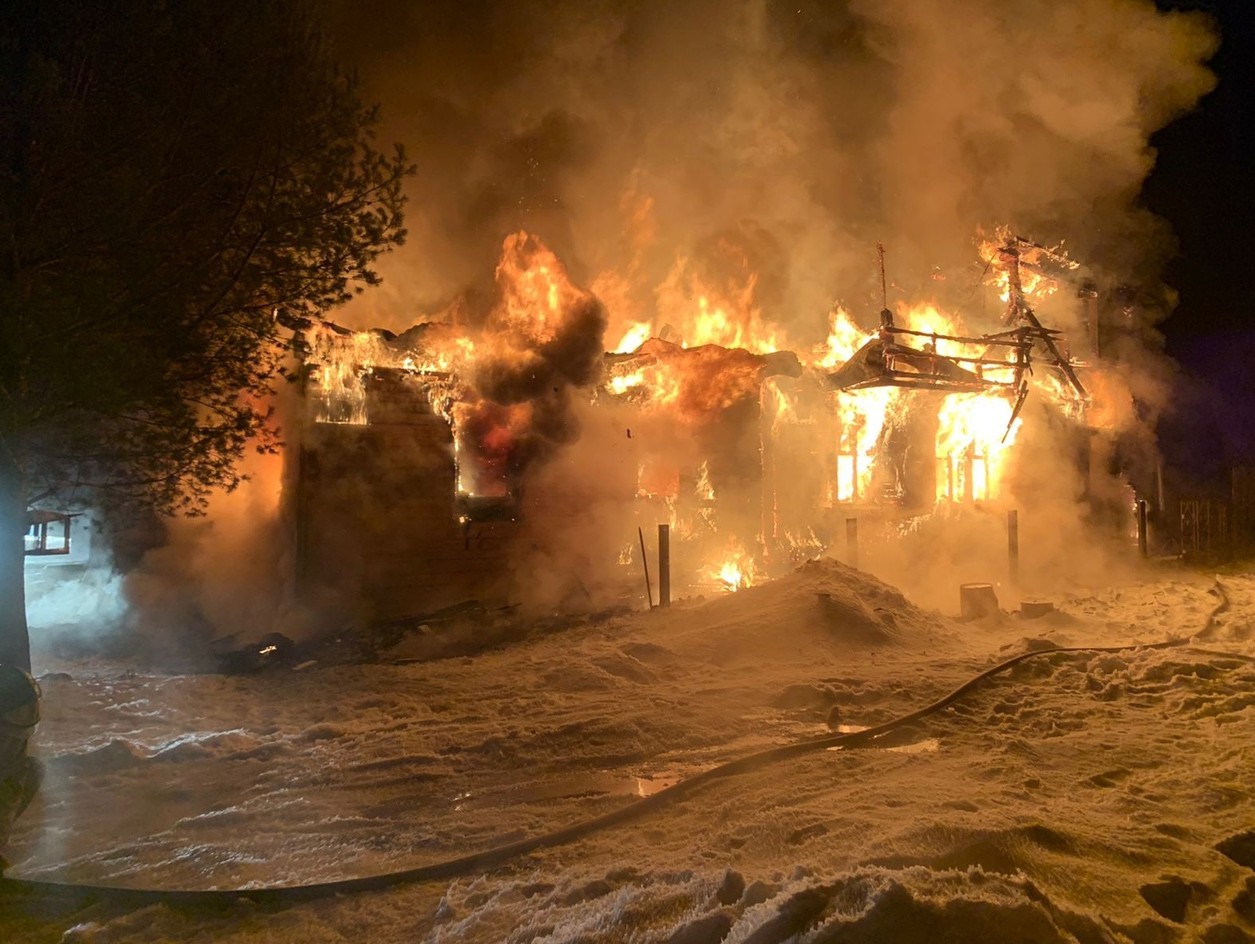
[[41, 895]]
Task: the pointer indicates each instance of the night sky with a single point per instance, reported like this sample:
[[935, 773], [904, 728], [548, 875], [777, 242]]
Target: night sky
[[1202, 183]]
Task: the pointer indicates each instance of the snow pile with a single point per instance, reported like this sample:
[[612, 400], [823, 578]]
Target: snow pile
[[1079, 797], [823, 601], [911, 905]]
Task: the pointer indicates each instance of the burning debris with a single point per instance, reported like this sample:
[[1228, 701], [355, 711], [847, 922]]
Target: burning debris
[[694, 383]]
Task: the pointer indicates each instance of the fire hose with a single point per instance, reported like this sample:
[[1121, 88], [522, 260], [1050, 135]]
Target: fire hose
[[71, 897]]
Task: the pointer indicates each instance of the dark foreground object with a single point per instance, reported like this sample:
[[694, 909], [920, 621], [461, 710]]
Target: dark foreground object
[[20, 775]]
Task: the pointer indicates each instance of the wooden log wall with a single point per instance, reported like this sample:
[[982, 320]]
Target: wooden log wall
[[377, 520]]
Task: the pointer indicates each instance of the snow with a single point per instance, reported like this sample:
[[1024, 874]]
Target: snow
[[1078, 797]]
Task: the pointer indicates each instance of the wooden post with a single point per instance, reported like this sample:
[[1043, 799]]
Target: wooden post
[[767, 481], [858, 435], [1141, 527], [1013, 545], [851, 542], [649, 590], [664, 565]]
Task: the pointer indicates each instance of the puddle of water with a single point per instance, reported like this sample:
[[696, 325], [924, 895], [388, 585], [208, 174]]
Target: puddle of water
[[923, 746], [926, 746], [568, 788], [576, 786]]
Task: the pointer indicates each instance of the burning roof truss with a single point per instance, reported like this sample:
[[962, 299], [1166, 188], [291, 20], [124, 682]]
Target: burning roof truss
[[976, 364], [887, 361]]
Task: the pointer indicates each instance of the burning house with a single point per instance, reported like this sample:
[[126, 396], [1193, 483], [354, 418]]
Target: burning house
[[518, 460]]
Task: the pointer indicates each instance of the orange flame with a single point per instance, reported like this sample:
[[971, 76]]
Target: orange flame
[[701, 313], [735, 571], [343, 364], [534, 287], [971, 452]]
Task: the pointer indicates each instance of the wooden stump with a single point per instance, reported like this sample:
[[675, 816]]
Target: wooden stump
[[1035, 609], [977, 600]]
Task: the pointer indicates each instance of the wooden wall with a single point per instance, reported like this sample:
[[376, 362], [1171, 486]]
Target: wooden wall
[[377, 529]]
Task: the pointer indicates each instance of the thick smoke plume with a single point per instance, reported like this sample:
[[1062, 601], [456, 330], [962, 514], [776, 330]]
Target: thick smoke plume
[[785, 138], [224, 576]]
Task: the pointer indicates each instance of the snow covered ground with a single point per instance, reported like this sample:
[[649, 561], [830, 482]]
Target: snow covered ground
[[1078, 797]]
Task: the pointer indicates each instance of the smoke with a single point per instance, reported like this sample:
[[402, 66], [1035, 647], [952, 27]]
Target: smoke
[[226, 575], [1074, 525], [629, 135], [543, 337], [748, 156], [76, 606]]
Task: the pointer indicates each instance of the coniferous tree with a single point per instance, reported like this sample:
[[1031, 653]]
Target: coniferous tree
[[173, 178]]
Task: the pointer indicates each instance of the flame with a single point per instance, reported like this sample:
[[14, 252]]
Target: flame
[[691, 386], [657, 477], [1111, 404], [475, 379], [861, 414], [702, 313], [782, 403], [620, 384], [735, 571], [971, 451], [343, 362], [487, 440], [1034, 283], [1058, 392], [972, 423], [927, 318], [443, 355], [704, 490], [633, 338], [730, 573], [535, 290], [652, 383], [694, 355], [844, 339]]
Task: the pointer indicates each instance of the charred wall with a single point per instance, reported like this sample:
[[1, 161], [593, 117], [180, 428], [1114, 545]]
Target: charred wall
[[378, 534]]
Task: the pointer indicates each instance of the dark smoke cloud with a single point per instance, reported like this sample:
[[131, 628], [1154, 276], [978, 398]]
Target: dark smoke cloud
[[543, 338]]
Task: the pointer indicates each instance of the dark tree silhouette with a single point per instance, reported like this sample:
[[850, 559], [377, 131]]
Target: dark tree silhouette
[[173, 178]]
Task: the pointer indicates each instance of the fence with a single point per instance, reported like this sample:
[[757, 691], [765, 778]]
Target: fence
[[1204, 529]]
